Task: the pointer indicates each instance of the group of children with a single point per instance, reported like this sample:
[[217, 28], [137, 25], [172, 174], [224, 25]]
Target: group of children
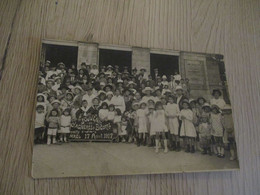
[[147, 111]]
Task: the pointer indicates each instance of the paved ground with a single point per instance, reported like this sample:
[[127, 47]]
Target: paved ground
[[89, 159]]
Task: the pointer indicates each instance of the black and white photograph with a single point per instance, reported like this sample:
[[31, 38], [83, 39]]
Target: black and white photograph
[[124, 110]]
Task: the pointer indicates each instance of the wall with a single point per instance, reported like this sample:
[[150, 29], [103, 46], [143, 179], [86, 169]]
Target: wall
[[227, 27]]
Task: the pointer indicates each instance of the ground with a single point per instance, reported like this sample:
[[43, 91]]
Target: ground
[[89, 159]]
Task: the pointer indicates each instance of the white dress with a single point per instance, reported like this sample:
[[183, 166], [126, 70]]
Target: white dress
[[172, 112], [103, 113], [119, 102], [142, 120], [187, 127], [217, 125], [219, 102], [161, 121], [111, 116], [65, 122], [152, 121]]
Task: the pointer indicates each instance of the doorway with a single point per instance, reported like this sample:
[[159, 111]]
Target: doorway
[[115, 57], [59, 53], [166, 64]]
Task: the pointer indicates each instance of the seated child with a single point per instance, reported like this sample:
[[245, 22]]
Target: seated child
[[103, 111]]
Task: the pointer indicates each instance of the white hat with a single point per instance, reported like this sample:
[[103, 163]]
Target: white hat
[[147, 89], [109, 66], [102, 83], [110, 93], [131, 82], [77, 87], [48, 61], [71, 87], [133, 91], [179, 88], [167, 91], [101, 91], [55, 101], [135, 103], [205, 105], [157, 88], [164, 77], [192, 100], [119, 81]]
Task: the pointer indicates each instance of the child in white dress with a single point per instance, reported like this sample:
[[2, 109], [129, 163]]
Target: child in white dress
[[187, 128], [160, 127], [117, 122], [123, 133], [65, 122], [204, 130], [111, 113], [103, 111], [172, 112], [141, 115], [217, 130]]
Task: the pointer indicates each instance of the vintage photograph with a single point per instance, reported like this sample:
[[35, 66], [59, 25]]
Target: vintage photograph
[[122, 110]]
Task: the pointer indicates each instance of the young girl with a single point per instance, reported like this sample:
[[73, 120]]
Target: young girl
[[39, 126], [141, 124], [172, 112], [195, 120], [111, 113], [65, 121], [159, 127], [187, 127], [117, 122], [103, 111], [229, 129], [204, 130], [123, 132], [217, 130], [54, 124]]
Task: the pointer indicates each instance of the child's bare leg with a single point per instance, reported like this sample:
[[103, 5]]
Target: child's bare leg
[[49, 139], [157, 142], [165, 143]]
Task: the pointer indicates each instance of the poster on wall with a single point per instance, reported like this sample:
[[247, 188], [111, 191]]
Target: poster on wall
[[122, 110]]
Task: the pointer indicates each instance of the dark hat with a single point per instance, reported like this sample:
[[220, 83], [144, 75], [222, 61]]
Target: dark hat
[[185, 101], [216, 91], [134, 69]]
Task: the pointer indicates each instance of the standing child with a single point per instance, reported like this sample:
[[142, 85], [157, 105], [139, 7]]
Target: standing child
[[195, 120], [103, 111], [54, 124], [187, 127], [39, 124], [123, 132], [229, 129], [172, 112], [111, 113], [141, 124], [117, 123], [65, 122], [205, 134], [217, 130], [161, 129]]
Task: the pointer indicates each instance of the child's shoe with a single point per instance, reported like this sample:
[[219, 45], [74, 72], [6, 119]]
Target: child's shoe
[[123, 140], [178, 147], [204, 151], [188, 148], [48, 141], [54, 140], [192, 149]]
